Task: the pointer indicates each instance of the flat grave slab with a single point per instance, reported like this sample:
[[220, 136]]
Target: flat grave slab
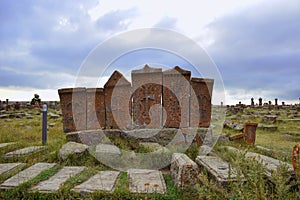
[[108, 149], [271, 164], [8, 167], [26, 175], [57, 180], [102, 181], [2, 145], [146, 181], [24, 151], [218, 169]]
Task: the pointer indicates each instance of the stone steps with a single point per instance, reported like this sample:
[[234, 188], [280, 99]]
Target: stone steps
[[23, 152], [141, 180]]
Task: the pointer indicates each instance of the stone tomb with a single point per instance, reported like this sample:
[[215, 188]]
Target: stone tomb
[[2, 145], [8, 167], [219, 170], [271, 164], [102, 181], [184, 171], [25, 151], [154, 99], [55, 182], [146, 181], [26, 175]]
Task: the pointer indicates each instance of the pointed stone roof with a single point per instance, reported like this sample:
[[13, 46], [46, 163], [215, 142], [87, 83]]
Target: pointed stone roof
[[179, 70], [147, 69], [116, 79]]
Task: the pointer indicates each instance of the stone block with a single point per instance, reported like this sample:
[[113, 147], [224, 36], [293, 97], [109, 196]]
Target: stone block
[[184, 171], [219, 170], [55, 182], [8, 167], [72, 148], [146, 181], [102, 181], [73, 106], [147, 93], [117, 91], [271, 164], [95, 108], [26, 175], [176, 94], [201, 93], [25, 151]]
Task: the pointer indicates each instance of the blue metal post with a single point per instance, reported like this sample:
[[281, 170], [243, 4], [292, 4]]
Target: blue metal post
[[44, 129]]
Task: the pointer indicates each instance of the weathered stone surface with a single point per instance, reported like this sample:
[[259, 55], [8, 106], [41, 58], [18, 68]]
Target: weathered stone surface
[[269, 119], [53, 116], [146, 181], [26, 175], [8, 167], [25, 151], [147, 93], [4, 116], [271, 164], [264, 148], [88, 137], [108, 149], [73, 106], [202, 88], [155, 97], [184, 171], [176, 94], [95, 108], [152, 146], [2, 145], [117, 91], [72, 148], [269, 128], [233, 125], [55, 182], [102, 181], [218, 169]]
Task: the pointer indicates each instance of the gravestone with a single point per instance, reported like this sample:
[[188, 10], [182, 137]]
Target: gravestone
[[26, 175], [117, 91], [8, 167], [95, 108], [146, 181], [23, 152], [2, 145], [147, 93], [176, 94], [202, 99], [219, 170], [102, 181], [73, 106], [55, 182]]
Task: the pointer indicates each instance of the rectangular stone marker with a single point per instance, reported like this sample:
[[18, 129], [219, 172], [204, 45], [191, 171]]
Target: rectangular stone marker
[[102, 181], [26, 175], [146, 181], [2, 145], [220, 170], [184, 171], [55, 182], [24, 151], [271, 164], [8, 167]]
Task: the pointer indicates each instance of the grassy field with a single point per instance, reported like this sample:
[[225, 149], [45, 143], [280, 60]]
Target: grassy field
[[26, 131]]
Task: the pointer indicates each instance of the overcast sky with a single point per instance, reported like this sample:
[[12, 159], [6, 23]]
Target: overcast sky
[[255, 44]]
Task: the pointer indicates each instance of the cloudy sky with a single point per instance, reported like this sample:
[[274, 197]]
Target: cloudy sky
[[255, 44]]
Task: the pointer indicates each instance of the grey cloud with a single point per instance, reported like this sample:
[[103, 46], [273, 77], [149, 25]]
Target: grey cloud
[[258, 48]]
